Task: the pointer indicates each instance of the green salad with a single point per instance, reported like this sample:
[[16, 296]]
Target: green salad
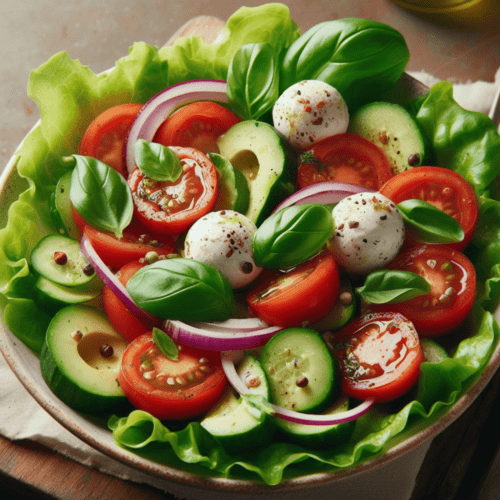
[[69, 96]]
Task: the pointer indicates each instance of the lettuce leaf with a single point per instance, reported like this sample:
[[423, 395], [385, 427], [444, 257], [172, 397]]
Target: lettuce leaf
[[69, 96]]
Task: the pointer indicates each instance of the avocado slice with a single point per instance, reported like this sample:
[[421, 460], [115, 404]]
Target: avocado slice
[[263, 156]]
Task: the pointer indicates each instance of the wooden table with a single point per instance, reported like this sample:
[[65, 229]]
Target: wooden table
[[458, 460]]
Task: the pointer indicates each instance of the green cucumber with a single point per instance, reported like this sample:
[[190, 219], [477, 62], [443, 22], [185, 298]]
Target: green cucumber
[[232, 422], [233, 186], [74, 272], [72, 365], [262, 155], [61, 208], [319, 436], [51, 296], [390, 127], [300, 370], [433, 352]]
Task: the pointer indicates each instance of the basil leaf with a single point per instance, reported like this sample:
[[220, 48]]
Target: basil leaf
[[165, 344], [182, 289], [253, 80], [361, 58], [292, 235], [158, 162], [428, 223], [389, 287], [101, 195]]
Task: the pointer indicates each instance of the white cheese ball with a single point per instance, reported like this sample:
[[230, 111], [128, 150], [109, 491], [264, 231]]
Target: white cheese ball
[[309, 111], [369, 232], [224, 240]]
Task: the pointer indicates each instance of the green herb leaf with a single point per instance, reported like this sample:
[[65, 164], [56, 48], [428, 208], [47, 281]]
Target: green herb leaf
[[428, 223], [292, 235], [253, 80], [157, 162], [101, 195], [165, 344], [182, 289], [391, 286]]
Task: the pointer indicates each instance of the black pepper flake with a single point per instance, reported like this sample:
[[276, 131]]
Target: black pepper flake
[[383, 217]]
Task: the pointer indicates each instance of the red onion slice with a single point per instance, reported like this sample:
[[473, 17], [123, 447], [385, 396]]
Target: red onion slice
[[108, 277], [228, 360], [232, 325], [322, 192], [217, 338], [162, 105]]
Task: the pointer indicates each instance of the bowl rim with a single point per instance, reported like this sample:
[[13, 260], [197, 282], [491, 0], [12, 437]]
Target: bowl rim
[[66, 416]]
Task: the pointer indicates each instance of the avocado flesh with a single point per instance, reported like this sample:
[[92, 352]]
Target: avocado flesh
[[262, 155]]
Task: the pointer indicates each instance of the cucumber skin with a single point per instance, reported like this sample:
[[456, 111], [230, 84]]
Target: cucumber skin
[[75, 397]]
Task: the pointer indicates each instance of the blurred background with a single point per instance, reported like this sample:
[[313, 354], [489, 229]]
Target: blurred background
[[98, 32]]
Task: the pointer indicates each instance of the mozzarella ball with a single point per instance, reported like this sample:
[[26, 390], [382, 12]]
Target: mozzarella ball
[[309, 111], [224, 240], [369, 232]]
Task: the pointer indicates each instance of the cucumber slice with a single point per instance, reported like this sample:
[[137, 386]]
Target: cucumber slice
[[51, 296], [319, 436], [300, 370], [342, 312], [433, 352], [75, 272], [232, 422], [72, 365], [390, 127], [61, 208]]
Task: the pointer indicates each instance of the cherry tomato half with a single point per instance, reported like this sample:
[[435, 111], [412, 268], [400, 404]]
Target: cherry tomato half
[[106, 136], [168, 389], [379, 355], [440, 187], [171, 207], [305, 293], [196, 125], [453, 288], [127, 324], [346, 158]]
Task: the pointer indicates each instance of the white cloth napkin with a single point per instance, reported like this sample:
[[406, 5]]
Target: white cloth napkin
[[22, 418]]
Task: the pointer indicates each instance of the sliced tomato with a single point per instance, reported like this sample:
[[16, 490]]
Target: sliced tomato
[[304, 294], [171, 207], [379, 355], [196, 125], [134, 244], [440, 187], [453, 289], [346, 158], [106, 136], [127, 324], [168, 389]]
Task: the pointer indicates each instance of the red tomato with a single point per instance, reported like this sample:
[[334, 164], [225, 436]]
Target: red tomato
[[442, 188], [453, 280], [134, 244], [168, 389], [379, 355], [346, 158], [305, 293], [106, 136], [196, 125], [127, 324], [171, 207]]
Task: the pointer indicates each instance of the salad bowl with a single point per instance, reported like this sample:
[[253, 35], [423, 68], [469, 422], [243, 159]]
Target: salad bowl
[[400, 456]]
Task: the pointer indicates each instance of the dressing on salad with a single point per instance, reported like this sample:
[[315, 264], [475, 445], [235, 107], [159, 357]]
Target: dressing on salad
[[317, 278]]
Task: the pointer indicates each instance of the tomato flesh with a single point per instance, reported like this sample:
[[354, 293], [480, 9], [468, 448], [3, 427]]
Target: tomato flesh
[[453, 289], [304, 294], [344, 158], [171, 207], [379, 355], [196, 125], [106, 136], [127, 324], [443, 189], [171, 389]]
